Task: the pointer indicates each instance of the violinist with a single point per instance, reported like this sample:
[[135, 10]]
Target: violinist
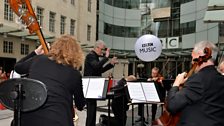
[[200, 100], [157, 78]]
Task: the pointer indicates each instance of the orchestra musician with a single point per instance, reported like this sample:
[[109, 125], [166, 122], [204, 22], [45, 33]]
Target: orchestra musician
[[157, 78], [59, 71], [200, 101], [95, 67]]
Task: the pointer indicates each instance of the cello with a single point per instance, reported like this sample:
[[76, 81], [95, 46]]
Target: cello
[[167, 119], [29, 17]]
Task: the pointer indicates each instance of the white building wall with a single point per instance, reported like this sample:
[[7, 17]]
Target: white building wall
[[187, 12], [195, 11]]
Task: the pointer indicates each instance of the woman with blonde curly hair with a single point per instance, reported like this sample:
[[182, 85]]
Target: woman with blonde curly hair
[[59, 71]]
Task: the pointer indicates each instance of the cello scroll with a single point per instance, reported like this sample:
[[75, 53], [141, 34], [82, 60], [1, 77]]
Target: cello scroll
[[29, 17]]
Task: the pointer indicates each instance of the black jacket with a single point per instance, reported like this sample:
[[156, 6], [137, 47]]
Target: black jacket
[[94, 66], [201, 100], [63, 83]]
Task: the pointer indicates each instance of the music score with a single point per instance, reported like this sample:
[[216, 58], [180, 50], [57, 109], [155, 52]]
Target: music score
[[143, 92], [94, 88]]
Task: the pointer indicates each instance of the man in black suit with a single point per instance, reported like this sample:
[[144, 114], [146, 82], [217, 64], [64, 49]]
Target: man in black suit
[[95, 67], [201, 99]]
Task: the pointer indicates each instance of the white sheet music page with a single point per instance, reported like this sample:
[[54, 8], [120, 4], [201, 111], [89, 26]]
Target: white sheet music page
[[150, 91], [96, 87], [136, 92], [85, 82]]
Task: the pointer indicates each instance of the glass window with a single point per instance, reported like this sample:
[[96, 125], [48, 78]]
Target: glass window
[[185, 1], [72, 27], [8, 13], [128, 4], [88, 32], [161, 3], [121, 31], [163, 28], [63, 19], [89, 5], [52, 22], [24, 49], [73, 2], [40, 15], [7, 47], [221, 29], [189, 27]]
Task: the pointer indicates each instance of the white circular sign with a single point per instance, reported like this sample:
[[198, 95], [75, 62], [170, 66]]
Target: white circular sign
[[148, 47]]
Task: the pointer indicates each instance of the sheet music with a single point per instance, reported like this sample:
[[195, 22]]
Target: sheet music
[[136, 92], [95, 88], [151, 93], [85, 83], [141, 92]]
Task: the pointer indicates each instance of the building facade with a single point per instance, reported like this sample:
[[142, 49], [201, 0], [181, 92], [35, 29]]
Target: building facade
[[178, 24], [181, 28], [55, 17]]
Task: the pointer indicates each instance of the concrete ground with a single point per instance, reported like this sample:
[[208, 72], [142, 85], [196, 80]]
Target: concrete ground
[[7, 115]]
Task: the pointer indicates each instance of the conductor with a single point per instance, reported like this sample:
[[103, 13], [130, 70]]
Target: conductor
[[95, 65]]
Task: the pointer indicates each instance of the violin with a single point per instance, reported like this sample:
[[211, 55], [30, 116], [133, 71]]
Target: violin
[[29, 17], [157, 79], [166, 119]]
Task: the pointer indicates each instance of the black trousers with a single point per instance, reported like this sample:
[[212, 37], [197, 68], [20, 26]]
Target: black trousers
[[120, 107], [153, 110], [91, 112]]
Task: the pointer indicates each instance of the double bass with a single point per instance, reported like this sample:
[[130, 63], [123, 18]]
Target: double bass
[[167, 119], [29, 17]]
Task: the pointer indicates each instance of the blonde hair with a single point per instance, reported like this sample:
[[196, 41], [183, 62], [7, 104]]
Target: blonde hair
[[65, 50]]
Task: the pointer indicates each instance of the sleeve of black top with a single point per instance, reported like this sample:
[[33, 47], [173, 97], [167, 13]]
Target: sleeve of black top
[[190, 93], [23, 65], [78, 94], [107, 67], [95, 63]]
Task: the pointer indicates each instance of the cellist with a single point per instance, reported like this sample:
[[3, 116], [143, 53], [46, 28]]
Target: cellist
[[201, 99]]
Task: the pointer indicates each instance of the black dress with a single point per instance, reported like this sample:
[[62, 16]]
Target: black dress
[[63, 84]]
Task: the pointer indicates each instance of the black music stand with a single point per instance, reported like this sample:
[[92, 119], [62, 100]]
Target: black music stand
[[167, 83], [22, 95]]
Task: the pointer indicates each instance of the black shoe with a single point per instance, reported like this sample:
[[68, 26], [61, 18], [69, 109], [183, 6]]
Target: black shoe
[[139, 119]]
